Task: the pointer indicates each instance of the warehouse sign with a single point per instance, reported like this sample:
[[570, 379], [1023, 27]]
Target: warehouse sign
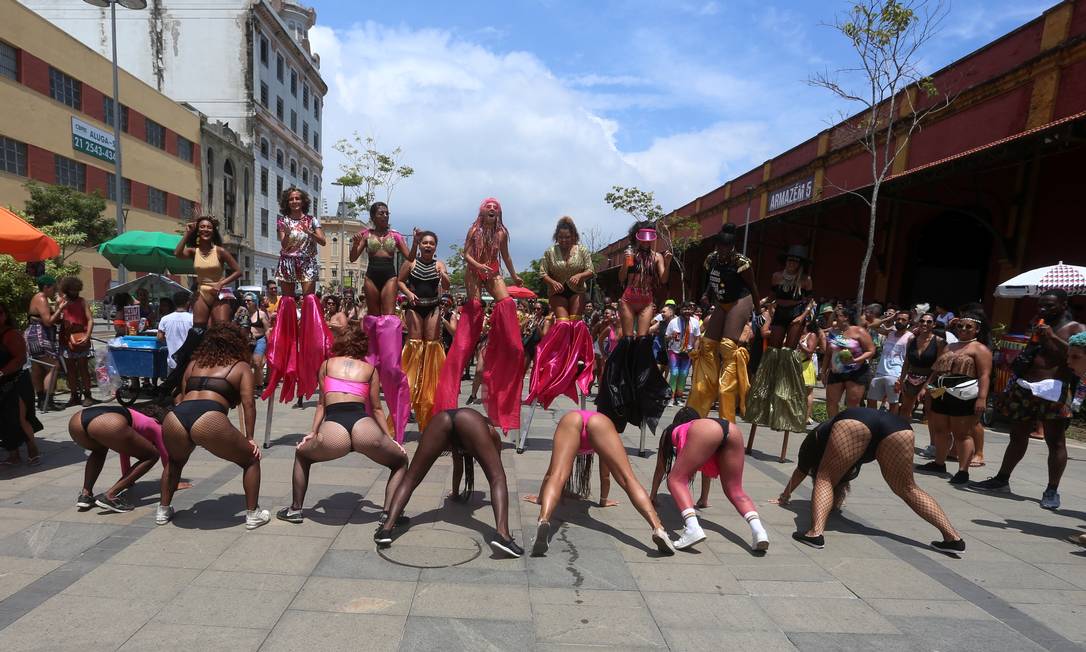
[[91, 140], [793, 194]]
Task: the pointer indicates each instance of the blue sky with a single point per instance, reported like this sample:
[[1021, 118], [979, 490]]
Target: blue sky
[[546, 104]]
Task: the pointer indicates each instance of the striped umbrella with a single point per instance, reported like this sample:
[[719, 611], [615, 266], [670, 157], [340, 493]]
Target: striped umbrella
[[1069, 278]]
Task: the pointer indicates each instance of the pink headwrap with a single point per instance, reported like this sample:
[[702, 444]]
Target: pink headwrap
[[487, 201], [484, 245]]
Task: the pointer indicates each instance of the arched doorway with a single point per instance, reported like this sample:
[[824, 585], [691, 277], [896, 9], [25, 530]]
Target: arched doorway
[[948, 261]]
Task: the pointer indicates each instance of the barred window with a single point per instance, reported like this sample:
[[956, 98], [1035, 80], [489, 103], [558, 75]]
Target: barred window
[[264, 147], [305, 176], [305, 131], [294, 121], [70, 173], [9, 62], [111, 188], [264, 222], [294, 82], [65, 89], [156, 200], [279, 108], [188, 209], [305, 96], [317, 108], [279, 67], [107, 108], [184, 149], [316, 141], [279, 159], [278, 187], [12, 156], [293, 168], [263, 49], [156, 134], [264, 181]]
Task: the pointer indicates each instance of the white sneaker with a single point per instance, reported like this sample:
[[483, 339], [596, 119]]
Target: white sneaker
[[759, 541], [663, 541], [690, 538], [256, 518], [163, 514]]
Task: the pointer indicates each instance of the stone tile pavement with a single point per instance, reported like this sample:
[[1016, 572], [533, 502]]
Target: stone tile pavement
[[91, 581]]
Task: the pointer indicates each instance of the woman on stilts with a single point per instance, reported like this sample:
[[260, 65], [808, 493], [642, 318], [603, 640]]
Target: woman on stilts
[[503, 363], [422, 281]]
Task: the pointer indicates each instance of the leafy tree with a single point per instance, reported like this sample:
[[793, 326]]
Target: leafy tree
[[640, 204], [16, 288], [533, 278], [887, 36], [456, 264], [74, 219], [367, 171]]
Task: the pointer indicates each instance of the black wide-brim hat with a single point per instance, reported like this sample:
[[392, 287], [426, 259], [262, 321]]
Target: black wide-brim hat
[[796, 251]]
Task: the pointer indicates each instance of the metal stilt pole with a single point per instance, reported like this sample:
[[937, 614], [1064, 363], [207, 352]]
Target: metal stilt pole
[[644, 434], [268, 419], [524, 431]]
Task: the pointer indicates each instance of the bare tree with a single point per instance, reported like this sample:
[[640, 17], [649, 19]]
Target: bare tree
[[887, 36]]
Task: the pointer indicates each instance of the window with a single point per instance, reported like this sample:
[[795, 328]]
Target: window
[[294, 82], [294, 121], [184, 149], [188, 209], [316, 141], [279, 159], [156, 200], [317, 108], [229, 194], [278, 187], [111, 188], [305, 131], [264, 181], [264, 49], [264, 147], [305, 96], [279, 67], [305, 176], [65, 89], [9, 62], [293, 168], [279, 108], [246, 188], [264, 219], [70, 173], [107, 109], [156, 134], [12, 156], [264, 95], [209, 179]]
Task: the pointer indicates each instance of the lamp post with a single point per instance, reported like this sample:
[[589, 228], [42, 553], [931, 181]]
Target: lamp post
[[118, 180]]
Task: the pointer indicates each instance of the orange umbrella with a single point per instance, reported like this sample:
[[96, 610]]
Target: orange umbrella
[[22, 241]]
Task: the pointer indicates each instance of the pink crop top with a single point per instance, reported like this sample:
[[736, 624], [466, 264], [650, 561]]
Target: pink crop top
[[150, 430], [353, 387]]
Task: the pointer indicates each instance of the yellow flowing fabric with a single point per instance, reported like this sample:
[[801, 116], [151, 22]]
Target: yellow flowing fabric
[[734, 381], [705, 381], [422, 363]]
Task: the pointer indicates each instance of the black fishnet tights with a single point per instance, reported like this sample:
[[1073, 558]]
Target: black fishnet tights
[[895, 456], [110, 431], [214, 432]]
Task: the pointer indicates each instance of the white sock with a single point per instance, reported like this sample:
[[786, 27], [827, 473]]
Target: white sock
[[755, 524], [690, 516]]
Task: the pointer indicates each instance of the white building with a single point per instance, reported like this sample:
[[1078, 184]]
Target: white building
[[243, 62]]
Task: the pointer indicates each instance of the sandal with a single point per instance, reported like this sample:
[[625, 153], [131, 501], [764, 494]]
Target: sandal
[[976, 465], [34, 461]]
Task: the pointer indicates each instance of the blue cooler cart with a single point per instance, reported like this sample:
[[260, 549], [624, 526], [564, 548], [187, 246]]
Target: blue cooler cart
[[136, 358]]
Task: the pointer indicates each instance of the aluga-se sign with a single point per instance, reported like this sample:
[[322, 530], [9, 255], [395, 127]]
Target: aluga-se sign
[[793, 194], [91, 140]]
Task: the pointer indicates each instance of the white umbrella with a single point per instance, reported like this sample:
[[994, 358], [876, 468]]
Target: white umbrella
[[1034, 283]]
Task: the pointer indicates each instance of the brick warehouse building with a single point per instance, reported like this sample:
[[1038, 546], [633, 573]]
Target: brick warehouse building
[[987, 188]]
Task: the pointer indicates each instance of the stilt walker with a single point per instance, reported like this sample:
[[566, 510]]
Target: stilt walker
[[382, 326], [564, 363], [422, 282], [503, 362], [632, 389]]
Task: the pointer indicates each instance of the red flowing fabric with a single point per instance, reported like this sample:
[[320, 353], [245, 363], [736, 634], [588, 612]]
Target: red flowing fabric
[[314, 345], [566, 345], [467, 334], [283, 352], [503, 366]]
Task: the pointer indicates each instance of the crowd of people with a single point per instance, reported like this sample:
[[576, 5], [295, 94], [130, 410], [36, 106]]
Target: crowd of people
[[400, 352]]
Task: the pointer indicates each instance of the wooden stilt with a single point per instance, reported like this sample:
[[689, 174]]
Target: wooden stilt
[[750, 439]]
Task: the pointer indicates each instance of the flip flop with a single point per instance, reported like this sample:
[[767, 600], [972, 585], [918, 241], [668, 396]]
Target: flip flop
[[34, 461], [976, 465]]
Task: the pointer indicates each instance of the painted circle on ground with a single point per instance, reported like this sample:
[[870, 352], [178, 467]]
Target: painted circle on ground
[[431, 548]]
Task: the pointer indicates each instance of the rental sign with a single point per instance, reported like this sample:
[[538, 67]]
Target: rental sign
[[91, 140], [793, 194]]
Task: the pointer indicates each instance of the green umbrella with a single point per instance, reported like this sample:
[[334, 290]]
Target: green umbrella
[[146, 251]]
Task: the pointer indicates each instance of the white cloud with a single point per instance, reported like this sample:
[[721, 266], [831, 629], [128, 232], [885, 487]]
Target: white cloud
[[475, 123]]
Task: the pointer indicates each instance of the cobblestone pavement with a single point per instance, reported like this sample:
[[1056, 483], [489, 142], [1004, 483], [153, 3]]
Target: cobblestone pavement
[[92, 580]]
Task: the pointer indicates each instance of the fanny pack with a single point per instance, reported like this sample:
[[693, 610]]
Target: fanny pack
[[962, 388]]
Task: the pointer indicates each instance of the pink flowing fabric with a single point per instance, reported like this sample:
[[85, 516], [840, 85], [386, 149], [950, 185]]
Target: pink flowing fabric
[[314, 345], [557, 358], [503, 366], [369, 327], [283, 352], [389, 331], [467, 334]]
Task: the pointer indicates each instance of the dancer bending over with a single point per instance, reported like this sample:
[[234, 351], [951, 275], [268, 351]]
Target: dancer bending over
[[129, 431], [343, 423], [470, 435], [714, 447], [834, 451], [217, 379], [583, 430]]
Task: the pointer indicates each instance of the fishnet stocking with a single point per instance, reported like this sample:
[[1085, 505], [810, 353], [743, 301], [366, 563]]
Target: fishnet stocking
[[848, 440], [214, 432], [895, 456]]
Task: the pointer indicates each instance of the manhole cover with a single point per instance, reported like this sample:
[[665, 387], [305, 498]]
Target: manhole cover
[[431, 548]]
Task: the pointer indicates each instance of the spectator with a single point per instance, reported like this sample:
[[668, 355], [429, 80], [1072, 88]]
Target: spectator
[[174, 327], [884, 386]]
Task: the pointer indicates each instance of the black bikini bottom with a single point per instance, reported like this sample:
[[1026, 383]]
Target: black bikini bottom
[[187, 412], [92, 413], [380, 271], [346, 414]]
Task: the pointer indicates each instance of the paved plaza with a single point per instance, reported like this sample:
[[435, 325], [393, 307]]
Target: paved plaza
[[98, 581]]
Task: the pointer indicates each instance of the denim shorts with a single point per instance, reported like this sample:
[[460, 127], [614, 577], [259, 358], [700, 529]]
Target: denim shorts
[[260, 346]]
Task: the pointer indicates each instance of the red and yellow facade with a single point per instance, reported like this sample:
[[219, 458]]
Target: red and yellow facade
[[160, 145]]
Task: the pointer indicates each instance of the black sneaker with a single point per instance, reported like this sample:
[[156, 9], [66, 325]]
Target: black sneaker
[[961, 477], [400, 521], [290, 515], [931, 467], [508, 546], [994, 485], [117, 504], [84, 502], [951, 547], [382, 537], [818, 542]]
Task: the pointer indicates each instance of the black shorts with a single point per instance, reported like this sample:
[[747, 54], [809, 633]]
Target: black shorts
[[952, 406], [784, 315], [380, 271], [861, 376]]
